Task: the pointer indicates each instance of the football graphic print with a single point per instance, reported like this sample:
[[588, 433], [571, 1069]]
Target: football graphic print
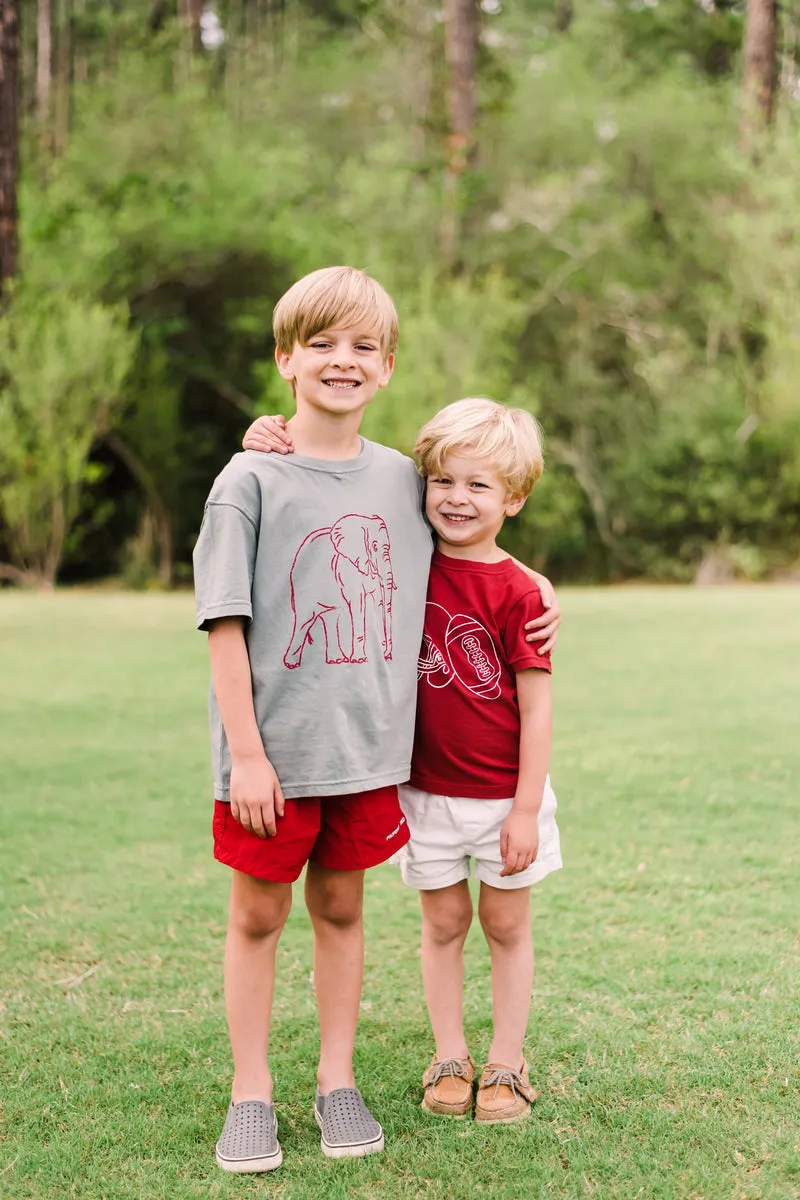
[[433, 662], [458, 648], [473, 656]]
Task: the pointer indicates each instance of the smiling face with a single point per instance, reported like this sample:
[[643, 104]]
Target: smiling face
[[466, 503], [337, 372]]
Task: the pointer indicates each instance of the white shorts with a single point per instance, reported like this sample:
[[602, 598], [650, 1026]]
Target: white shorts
[[448, 831]]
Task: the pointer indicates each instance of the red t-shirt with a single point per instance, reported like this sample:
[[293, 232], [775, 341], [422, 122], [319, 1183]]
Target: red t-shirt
[[467, 734]]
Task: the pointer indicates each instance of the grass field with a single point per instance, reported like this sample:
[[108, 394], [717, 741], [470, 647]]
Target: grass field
[[665, 1028]]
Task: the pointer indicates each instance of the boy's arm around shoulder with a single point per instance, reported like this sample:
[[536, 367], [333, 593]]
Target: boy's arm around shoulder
[[544, 628], [519, 836]]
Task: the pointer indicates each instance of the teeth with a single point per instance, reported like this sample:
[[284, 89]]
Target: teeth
[[340, 383]]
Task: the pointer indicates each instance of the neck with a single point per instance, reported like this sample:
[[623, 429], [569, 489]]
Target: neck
[[324, 435], [488, 552]]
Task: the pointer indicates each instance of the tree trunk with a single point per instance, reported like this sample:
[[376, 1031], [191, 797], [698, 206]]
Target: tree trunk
[[760, 80], [44, 58], [564, 14], [195, 13], [9, 137], [63, 96], [461, 49], [162, 524]]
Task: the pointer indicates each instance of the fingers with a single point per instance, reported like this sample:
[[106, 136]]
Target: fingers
[[250, 818], [540, 622], [254, 441], [280, 803], [517, 861], [274, 427], [547, 634], [545, 624], [268, 435], [267, 814]]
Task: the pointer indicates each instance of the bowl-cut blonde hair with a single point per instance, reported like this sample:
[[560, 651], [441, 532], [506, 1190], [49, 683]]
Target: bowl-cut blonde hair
[[509, 438], [335, 298]]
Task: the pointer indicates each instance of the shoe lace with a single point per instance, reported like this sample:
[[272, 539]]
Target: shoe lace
[[503, 1077], [454, 1067]]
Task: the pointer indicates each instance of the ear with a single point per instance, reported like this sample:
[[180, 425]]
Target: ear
[[285, 368], [349, 536], [386, 374], [514, 506]]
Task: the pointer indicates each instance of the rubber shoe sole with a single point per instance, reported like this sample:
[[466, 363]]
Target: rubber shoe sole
[[348, 1149], [525, 1115], [244, 1166], [439, 1112], [248, 1144]]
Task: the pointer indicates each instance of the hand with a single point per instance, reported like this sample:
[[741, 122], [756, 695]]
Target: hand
[[545, 628], [267, 434], [519, 841], [256, 796]]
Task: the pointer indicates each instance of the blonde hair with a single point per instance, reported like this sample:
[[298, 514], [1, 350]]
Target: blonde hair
[[509, 438], [334, 297]]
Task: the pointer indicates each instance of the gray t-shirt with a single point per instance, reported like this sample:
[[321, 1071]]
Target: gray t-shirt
[[328, 561]]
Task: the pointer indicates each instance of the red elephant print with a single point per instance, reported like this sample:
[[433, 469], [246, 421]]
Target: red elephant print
[[334, 573]]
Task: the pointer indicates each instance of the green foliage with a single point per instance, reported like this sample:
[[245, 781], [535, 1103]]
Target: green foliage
[[620, 269], [63, 362]]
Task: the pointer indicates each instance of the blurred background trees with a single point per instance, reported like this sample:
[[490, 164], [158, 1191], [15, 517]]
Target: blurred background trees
[[587, 209]]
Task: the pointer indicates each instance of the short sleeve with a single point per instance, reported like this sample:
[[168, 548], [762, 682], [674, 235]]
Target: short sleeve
[[520, 654], [224, 561]]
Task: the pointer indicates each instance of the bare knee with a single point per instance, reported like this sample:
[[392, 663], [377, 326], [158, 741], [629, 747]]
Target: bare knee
[[505, 918], [258, 909], [335, 898], [446, 915]]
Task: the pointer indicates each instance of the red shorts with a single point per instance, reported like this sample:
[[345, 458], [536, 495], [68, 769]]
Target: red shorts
[[345, 833]]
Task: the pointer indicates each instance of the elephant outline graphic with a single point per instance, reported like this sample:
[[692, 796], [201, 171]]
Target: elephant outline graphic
[[334, 573]]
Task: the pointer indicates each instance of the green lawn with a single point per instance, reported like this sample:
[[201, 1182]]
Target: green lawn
[[664, 1034]]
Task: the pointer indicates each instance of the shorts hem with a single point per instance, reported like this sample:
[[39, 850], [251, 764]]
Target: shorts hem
[[524, 879], [425, 885], [276, 874], [370, 860]]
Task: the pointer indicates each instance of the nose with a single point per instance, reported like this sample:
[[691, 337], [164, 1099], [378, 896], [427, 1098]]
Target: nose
[[459, 495], [342, 356]]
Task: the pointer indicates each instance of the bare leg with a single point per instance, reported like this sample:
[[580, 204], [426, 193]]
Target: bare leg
[[446, 918], [335, 904], [506, 922], [257, 914]]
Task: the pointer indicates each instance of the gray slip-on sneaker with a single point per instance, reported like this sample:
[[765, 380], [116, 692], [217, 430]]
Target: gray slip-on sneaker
[[349, 1129], [249, 1138]]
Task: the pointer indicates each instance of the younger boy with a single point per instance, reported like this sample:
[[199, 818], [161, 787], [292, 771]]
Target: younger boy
[[479, 786]]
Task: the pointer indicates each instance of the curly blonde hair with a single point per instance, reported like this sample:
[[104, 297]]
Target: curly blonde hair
[[509, 438]]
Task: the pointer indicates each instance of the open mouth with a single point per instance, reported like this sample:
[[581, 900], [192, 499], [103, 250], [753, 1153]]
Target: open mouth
[[456, 518], [344, 385]]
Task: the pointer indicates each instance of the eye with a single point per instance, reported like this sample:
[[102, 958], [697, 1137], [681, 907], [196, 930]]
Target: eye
[[477, 484], [364, 346]]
